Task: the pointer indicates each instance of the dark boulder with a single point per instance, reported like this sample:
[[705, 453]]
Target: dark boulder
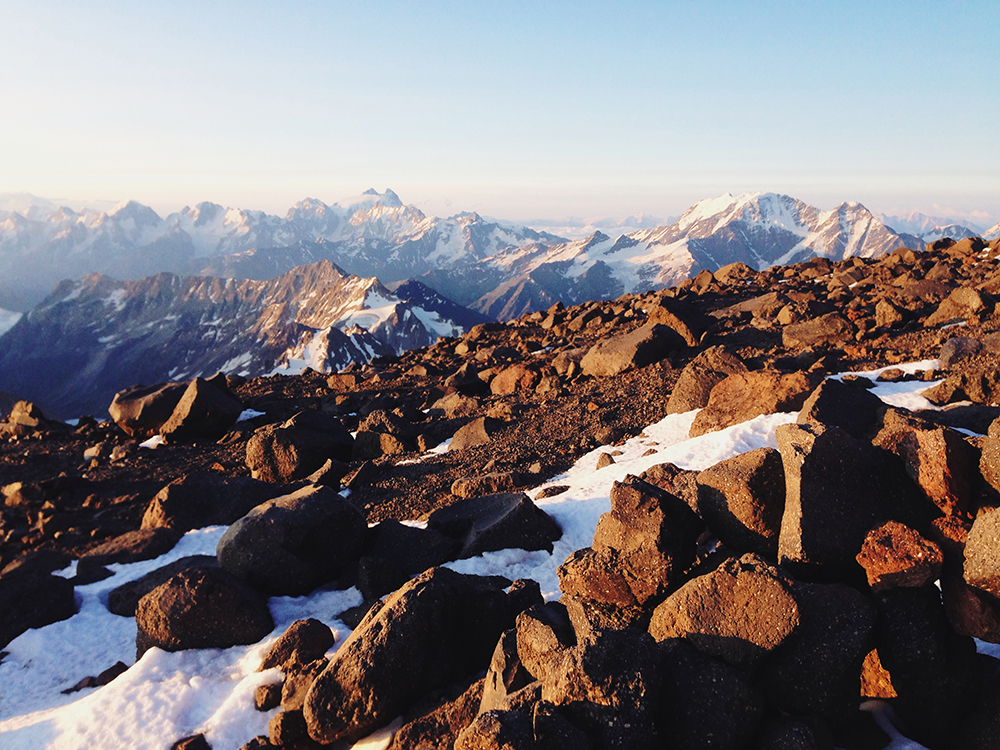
[[836, 489], [32, 600], [204, 498], [740, 612], [206, 410], [742, 500], [440, 627], [304, 641], [694, 386], [200, 608], [291, 544], [142, 410], [704, 703], [297, 447], [690, 323], [643, 346], [438, 729], [477, 432], [846, 405], [125, 598], [743, 396], [494, 522]]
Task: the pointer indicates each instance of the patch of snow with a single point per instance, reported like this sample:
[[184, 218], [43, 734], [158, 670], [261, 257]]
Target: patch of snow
[[152, 442], [8, 319], [249, 414]]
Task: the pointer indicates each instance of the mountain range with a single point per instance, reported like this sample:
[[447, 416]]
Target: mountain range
[[499, 268], [97, 335]]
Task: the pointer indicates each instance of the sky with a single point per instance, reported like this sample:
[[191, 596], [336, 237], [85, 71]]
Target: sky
[[519, 110]]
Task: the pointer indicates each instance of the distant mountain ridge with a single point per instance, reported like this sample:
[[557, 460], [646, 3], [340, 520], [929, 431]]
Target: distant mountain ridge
[[95, 336], [498, 268]]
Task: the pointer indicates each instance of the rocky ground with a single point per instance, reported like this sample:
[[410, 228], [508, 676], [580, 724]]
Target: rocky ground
[[752, 605]]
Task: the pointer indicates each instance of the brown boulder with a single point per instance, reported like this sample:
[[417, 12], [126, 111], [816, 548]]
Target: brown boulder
[[831, 329], [743, 396], [895, 555], [694, 386], [643, 346]]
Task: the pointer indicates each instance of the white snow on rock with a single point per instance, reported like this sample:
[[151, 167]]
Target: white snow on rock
[[167, 696]]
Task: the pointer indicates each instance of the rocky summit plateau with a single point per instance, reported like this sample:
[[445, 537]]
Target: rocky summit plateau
[[756, 510]]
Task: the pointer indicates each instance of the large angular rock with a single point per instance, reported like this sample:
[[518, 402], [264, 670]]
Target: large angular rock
[[742, 500], [304, 641], [894, 555], [931, 666], [498, 730], [982, 552], [298, 447], [836, 489], [290, 545], [494, 522], [816, 670], [694, 386], [32, 600], [201, 608], [506, 675], [610, 688], [440, 627], [705, 703], [653, 533], [543, 633], [643, 346], [142, 410], [846, 405], [743, 396], [439, 729], [687, 320], [989, 463], [124, 599], [206, 410], [831, 329], [477, 432], [740, 612], [204, 498], [937, 458], [963, 303]]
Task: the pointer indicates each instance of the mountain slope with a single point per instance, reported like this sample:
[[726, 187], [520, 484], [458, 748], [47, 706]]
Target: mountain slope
[[92, 337]]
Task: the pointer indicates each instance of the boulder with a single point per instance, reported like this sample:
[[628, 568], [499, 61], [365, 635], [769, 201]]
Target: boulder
[[931, 666], [982, 552], [963, 303], [291, 544], [26, 418], [894, 555], [299, 677], [654, 537], [506, 674], [142, 410], [740, 612], [206, 410], [440, 627], [488, 484], [494, 522], [498, 730], [742, 500], [439, 729], [298, 447], [690, 323], [543, 633], [304, 641], [958, 348], [831, 329], [395, 552], [553, 731], [518, 378], [704, 702], [816, 670], [32, 600], [836, 489], [132, 546], [743, 396], [847, 405], [643, 346], [200, 608], [124, 599], [938, 459], [694, 386], [609, 687], [369, 444], [204, 498], [477, 432]]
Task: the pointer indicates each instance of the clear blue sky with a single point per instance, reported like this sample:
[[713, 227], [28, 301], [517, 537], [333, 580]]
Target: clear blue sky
[[518, 110]]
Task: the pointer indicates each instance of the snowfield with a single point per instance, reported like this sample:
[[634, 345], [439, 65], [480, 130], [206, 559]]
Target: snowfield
[[167, 696]]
